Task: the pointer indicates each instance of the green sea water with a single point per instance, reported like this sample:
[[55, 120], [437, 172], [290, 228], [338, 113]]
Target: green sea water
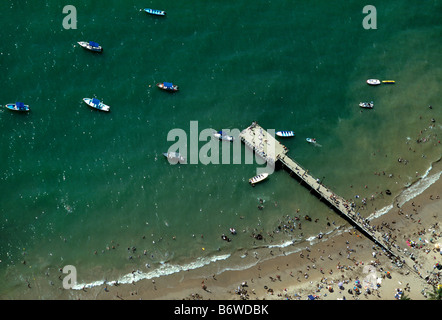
[[92, 189]]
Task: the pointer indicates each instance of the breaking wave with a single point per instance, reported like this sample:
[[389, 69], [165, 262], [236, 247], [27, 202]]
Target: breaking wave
[[163, 270], [410, 192]]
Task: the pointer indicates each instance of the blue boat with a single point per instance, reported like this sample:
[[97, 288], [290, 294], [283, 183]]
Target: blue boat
[[18, 106], [285, 133], [155, 12], [91, 45], [96, 104], [168, 86]]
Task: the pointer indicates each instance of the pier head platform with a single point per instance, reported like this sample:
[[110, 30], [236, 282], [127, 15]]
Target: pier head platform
[[263, 143]]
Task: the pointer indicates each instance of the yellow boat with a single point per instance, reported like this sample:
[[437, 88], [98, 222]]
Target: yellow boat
[[388, 81]]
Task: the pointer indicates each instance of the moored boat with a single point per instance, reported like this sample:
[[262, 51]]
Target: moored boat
[[18, 106], [366, 105], [174, 157], [223, 136], [373, 82], [388, 81], [91, 45], [258, 178], [168, 86], [285, 133], [96, 104], [155, 12], [310, 140]]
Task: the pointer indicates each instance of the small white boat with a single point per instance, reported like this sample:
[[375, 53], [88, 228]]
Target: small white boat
[[222, 136], [92, 46], [258, 178], [310, 140], [285, 134], [366, 105], [96, 104], [174, 157], [373, 82]]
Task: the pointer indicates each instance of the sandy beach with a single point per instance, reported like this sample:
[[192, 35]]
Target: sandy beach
[[346, 266]]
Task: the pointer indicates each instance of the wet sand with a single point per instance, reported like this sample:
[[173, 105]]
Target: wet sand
[[317, 270]]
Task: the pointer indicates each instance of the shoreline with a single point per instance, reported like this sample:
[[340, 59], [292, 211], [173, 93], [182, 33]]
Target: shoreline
[[335, 260]]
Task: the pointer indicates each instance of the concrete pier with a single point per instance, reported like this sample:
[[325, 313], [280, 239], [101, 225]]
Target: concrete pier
[[267, 147]]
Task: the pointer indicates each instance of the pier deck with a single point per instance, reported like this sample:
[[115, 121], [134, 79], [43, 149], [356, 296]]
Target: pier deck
[[263, 143], [273, 151], [343, 206]]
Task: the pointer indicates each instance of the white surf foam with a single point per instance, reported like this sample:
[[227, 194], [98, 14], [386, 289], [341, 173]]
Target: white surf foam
[[163, 270], [282, 245], [419, 187], [380, 213], [411, 192]]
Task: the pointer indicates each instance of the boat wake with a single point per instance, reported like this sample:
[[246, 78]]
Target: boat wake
[[313, 142]]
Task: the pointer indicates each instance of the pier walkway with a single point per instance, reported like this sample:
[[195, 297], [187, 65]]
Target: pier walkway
[[268, 148]]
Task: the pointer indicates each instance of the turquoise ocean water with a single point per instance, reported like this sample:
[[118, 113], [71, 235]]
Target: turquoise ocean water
[[91, 189]]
